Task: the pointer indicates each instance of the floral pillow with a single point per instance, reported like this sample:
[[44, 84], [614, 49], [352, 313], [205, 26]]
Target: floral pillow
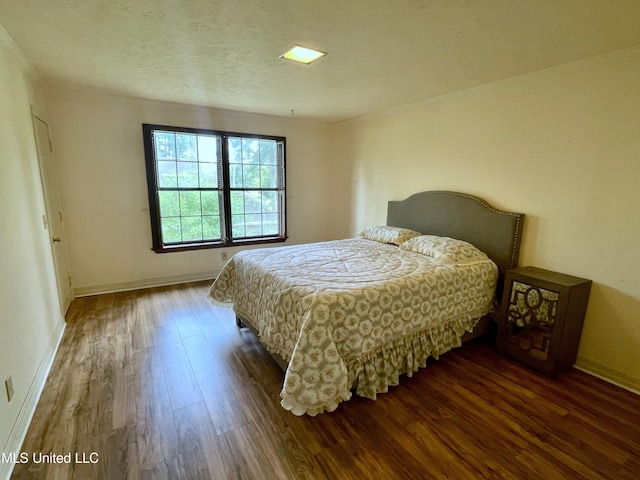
[[445, 249], [386, 234]]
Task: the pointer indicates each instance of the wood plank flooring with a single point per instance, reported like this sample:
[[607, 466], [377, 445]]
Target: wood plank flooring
[[159, 384]]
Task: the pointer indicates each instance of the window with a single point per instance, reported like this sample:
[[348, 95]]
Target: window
[[214, 189]]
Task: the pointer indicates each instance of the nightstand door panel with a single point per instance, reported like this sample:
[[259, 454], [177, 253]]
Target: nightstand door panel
[[531, 317]]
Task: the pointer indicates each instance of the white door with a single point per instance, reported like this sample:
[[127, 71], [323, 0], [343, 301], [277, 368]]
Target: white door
[[54, 218]]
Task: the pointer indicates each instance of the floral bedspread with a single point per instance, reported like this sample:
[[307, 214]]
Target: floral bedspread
[[354, 309]]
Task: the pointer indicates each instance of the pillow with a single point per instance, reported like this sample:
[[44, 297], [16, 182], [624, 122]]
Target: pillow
[[445, 250], [386, 234]]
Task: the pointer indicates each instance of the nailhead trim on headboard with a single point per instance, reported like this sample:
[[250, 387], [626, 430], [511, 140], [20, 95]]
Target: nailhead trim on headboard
[[516, 239]]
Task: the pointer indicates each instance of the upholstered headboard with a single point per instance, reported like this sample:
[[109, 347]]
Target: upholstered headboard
[[465, 217]]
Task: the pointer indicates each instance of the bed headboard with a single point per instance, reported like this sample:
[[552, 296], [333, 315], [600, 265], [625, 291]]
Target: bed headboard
[[465, 217]]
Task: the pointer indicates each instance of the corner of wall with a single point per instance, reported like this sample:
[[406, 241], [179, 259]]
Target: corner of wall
[[8, 46]]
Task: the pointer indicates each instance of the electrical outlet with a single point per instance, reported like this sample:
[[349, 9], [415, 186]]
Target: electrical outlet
[[225, 256], [8, 383]]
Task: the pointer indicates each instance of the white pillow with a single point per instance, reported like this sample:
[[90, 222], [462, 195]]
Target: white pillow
[[386, 234], [445, 250]]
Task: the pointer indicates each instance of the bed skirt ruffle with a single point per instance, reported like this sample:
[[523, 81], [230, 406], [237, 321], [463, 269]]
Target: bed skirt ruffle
[[379, 370], [375, 372]]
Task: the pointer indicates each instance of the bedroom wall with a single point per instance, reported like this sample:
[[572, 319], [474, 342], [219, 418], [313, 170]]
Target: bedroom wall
[[30, 320], [100, 158], [561, 146]]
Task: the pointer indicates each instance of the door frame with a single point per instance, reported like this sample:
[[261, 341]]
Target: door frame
[[53, 219]]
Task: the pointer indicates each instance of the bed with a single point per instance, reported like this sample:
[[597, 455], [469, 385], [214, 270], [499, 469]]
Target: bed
[[355, 314]]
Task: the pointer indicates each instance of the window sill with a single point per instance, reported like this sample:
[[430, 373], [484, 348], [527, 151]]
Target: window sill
[[185, 247]]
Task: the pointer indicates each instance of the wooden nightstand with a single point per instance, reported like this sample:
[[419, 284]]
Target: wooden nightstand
[[541, 318]]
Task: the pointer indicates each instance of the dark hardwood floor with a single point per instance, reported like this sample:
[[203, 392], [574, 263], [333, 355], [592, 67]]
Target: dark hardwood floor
[[159, 384]]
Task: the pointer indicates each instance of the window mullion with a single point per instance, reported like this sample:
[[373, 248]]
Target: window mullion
[[226, 191]]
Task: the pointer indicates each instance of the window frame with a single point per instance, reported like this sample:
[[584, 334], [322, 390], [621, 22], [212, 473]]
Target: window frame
[[227, 239]]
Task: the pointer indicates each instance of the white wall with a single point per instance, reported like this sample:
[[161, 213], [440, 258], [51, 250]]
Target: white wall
[[30, 319], [561, 146], [100, 157]]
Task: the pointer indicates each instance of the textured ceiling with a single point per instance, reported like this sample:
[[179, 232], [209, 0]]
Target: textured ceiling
[[382, 53]]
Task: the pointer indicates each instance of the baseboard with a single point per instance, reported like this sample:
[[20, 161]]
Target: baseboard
[[20, 427], [143, 283], [608, 375]]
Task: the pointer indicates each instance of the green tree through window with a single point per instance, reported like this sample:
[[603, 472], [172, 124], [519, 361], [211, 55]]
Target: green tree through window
[[210, 188]]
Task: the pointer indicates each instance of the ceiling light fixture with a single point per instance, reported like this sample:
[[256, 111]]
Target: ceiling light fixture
[[303, 55]]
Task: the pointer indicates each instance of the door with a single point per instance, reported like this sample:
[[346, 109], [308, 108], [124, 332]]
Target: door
[[54, 218]]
